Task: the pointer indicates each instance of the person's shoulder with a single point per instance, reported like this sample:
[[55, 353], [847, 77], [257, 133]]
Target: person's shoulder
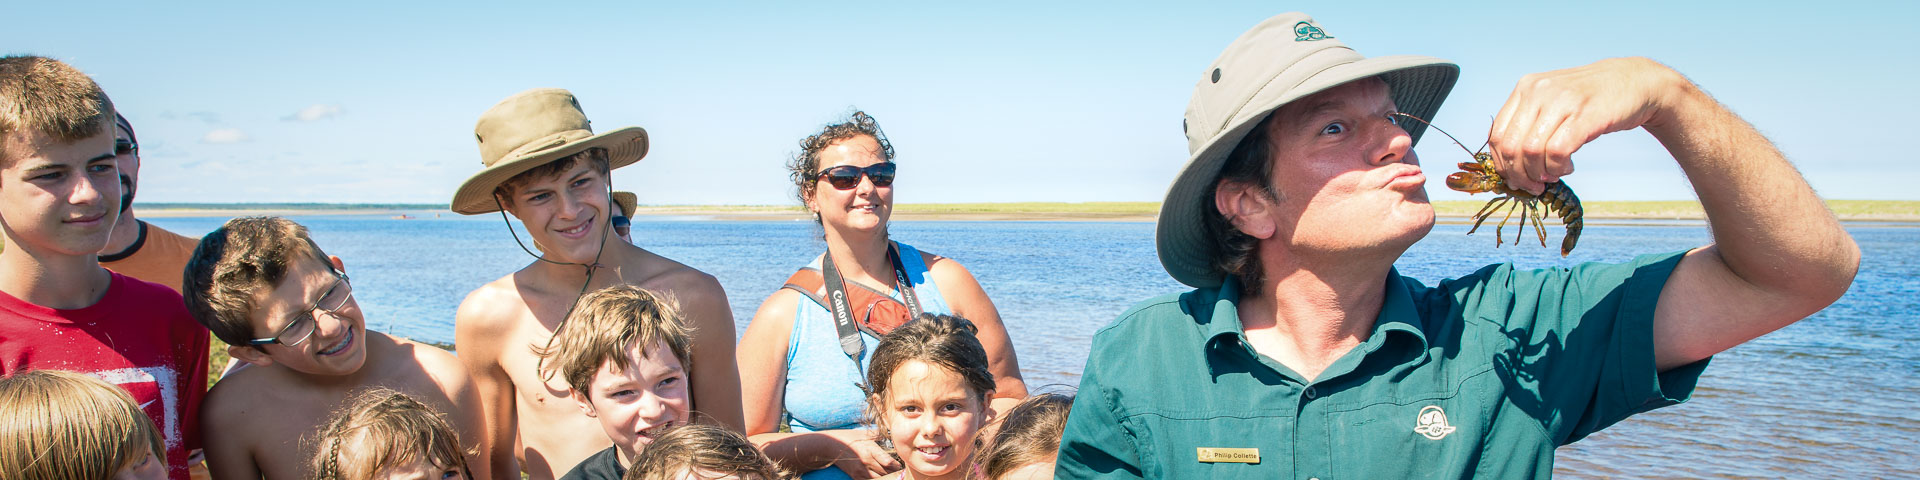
[[239, 392], [1153, 314], [604, 465], [128, 289], [490, 305], [689, 286], [155, 233], [440, 366]]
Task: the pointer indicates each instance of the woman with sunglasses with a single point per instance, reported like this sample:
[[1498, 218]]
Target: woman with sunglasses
[[803, 358]]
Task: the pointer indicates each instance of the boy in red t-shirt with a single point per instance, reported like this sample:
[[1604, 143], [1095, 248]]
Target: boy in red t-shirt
[[59, 310]]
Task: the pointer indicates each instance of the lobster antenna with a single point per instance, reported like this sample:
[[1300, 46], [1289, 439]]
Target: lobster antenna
[[1456, 141]]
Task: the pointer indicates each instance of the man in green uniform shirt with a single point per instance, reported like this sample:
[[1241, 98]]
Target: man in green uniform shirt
[[1303, 354]]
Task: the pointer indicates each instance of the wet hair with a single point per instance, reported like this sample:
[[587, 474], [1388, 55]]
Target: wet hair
[[50, 98], [64, 425], [607, 323], [1029, 434], [1251, 162], [705, 452], [236, 262], [804, 168], [944, 341], [381, 428], [596, 156]]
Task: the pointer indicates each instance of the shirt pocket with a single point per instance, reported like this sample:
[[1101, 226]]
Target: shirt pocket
[[1169, 442], [1438, 434]]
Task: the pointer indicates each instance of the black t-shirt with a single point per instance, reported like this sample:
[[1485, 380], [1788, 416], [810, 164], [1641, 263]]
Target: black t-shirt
[[601, 466]]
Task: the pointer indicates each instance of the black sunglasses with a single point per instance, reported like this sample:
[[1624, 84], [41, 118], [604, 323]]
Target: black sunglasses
[[123, 147], [845, 177]]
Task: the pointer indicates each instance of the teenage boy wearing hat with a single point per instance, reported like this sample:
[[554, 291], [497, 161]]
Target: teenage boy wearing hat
[[136, 248], [59, 197], [1303, 353], [546, 167]]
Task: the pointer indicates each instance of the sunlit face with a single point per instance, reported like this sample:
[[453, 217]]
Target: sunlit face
[[419, 469], [336, 346], [59, 198], [642, 403], [932, 418], [865, 208], [148, 467], [565, 214], [1346, 172]]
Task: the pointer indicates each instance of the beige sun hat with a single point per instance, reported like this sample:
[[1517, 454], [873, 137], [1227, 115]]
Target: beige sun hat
[[1280, 60], [627, 202], [532, 128]]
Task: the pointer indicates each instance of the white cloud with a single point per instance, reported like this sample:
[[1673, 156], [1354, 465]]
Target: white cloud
[[315, 112], [225, 136]]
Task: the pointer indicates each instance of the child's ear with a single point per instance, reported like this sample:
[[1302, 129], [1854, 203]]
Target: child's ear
[[580, 399], [249, 354]]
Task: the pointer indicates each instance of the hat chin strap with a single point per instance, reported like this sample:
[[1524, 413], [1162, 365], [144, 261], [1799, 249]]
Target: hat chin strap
[[540, 365]]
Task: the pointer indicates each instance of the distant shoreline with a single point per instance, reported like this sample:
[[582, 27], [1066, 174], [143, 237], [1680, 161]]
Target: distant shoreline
[[1682, 212]]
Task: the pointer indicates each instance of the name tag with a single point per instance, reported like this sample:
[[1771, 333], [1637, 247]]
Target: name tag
[[1229, 455]]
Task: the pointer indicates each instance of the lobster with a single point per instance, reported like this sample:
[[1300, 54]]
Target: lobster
[[1479, 176]]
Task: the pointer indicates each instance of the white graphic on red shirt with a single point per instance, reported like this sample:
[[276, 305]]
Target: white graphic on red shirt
[[164, 382]]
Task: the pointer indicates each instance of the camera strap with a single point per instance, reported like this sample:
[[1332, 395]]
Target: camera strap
[[842, 311]]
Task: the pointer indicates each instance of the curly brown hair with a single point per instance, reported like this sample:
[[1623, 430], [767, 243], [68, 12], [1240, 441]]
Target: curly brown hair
[[804, 168], [245, 256]]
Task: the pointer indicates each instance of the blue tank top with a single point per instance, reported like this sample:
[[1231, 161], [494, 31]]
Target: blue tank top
[[823, 390]]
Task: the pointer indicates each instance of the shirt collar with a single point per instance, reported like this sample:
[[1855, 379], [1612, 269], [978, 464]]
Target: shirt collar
[[1218, 306]]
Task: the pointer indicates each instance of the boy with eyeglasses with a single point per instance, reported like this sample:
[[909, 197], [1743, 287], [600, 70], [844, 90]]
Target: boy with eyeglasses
[[262, 285], [59, 310]]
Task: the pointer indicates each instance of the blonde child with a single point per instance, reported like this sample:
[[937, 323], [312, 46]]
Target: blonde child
[[624, 354], [1024, 445], [928, 388], [384, 434], [703, 452], [59, 425]]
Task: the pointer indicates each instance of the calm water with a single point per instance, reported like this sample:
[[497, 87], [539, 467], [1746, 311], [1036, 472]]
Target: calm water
[[1837, 394]]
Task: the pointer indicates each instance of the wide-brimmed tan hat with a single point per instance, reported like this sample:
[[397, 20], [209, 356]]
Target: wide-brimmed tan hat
[[1280, 60], [532, 128], [627, 202]]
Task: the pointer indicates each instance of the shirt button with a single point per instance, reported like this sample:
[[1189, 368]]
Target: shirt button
[[1311, 394]]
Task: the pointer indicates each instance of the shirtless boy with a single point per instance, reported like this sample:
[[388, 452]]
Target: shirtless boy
[[546, 167], [284, 306]]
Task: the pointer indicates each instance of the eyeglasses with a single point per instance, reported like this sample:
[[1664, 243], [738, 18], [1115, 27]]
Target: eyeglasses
[[845, 177], [123, 147], [302, 326]]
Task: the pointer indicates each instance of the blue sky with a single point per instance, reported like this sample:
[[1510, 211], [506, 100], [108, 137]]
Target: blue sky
[[1070, 101]]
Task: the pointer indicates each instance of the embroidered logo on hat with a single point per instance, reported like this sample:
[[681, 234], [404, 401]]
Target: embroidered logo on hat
[[1432, 423], [1306, 32]]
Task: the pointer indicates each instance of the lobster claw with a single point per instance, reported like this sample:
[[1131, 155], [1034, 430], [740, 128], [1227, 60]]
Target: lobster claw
[[1464, 181]]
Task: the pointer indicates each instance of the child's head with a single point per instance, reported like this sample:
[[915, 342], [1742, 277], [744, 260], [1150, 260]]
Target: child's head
[[59, 188], [928, 385], [1028, 439], [624, 352], [382, 434], [703, 452], [261, 285], [63, 425]]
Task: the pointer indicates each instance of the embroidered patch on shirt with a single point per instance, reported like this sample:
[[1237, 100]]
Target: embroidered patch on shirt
[[1229, 455], [1432, 423]]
